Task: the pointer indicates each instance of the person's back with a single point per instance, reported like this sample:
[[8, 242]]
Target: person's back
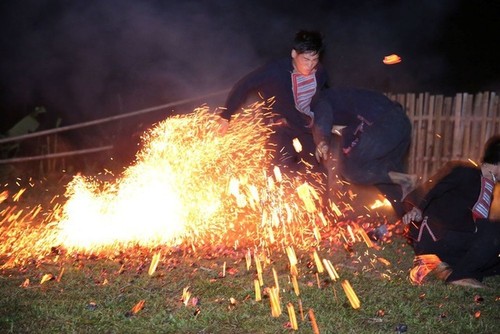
[[373, 145], [345, 106]]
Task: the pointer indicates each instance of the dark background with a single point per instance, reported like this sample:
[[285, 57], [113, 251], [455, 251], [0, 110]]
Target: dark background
[[85, 60]]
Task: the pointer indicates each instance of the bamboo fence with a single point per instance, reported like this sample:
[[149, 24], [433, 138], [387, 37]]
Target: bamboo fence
[[444, 128], [448, 128]]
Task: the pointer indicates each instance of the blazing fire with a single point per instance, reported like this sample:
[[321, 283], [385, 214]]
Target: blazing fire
[[189, 185]]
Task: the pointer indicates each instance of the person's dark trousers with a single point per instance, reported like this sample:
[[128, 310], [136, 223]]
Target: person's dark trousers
[[482, 258], [470, 255]]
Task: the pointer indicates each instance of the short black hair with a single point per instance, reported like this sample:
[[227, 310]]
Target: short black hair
[[492, 150], [308, 41]]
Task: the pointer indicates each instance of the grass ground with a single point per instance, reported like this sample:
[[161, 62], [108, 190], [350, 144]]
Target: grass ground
[[89, 294]]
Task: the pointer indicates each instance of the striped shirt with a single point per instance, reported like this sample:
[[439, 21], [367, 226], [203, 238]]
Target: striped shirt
[[482, 207], [304, 88]]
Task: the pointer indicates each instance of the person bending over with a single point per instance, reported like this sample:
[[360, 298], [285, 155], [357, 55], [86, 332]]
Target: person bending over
[[375, 138]]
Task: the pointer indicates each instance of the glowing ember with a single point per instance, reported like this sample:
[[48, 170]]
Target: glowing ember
[[392, 59], [384, 202], [422, 266], [137, 307], [4, 195], [297, 145]]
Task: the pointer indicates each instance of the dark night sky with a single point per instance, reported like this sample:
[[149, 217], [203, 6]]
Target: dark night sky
[[90, 59]]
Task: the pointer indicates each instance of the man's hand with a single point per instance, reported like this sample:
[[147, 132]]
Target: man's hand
[[322, 151], [223, 126], [415, 215]]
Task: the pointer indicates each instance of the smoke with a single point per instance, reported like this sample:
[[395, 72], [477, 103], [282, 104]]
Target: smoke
[[90, 59], [87, 58]]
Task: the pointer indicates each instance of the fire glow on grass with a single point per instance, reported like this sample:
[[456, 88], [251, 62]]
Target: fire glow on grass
[[189, 185]]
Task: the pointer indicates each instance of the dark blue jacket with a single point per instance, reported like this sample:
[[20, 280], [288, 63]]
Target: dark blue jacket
[[273, 80], [349, 107]]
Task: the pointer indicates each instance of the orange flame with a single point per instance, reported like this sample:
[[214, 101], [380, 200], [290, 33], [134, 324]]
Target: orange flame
[[189, 186], [423, 265], [392, 59]]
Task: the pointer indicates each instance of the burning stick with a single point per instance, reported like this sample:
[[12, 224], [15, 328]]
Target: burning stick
[[270, 235], [293, 261], [275, 302], [317, 261], [295, 285], [137, 307], [330, 269], [154, 264], [277, 174], [275, 275], [364, 236], [294, 271], [4, 195], [306, 194], [36, 211], [186, 295], [384, 261], [349, 229], [335, 209], [258, 296], [321, 216], [46, 278], [351, 295], [259, 269], [291, 315], [58, 279], [248, 258], [314, 325], [317, 234], [18, 195], [26, 283]]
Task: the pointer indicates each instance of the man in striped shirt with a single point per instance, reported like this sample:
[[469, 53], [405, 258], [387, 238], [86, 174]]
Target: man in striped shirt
[[451, 220], [293, 82]]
